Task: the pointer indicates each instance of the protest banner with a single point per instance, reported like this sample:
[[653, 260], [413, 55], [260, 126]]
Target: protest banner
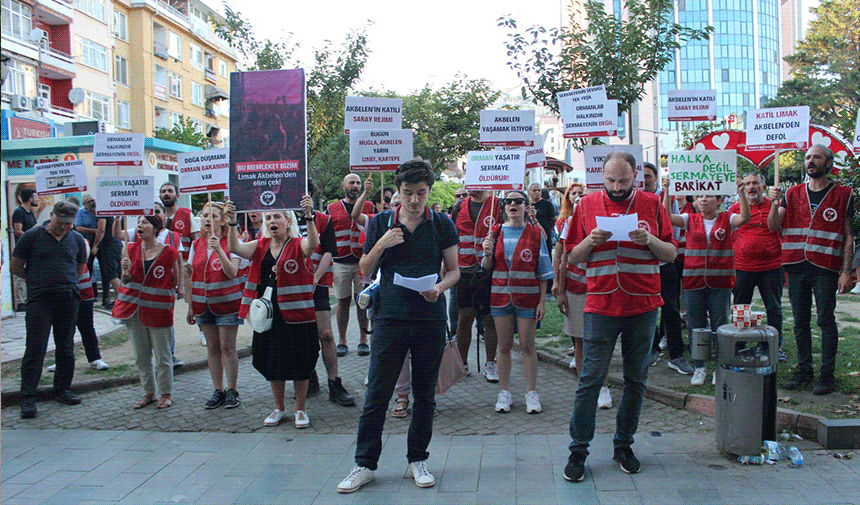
[[857, 135], [268, 159], [125, 196], [203, 171], [703, 172], [366, 113], [379, 150], [582, 94], [118, 149], [507, 128], [594, 156], [60, 177], [535, 156], [593, 118], [495, 170], [691, 105], [778, 128]]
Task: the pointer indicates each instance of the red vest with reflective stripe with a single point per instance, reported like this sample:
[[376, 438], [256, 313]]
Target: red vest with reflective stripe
[[711, 264], [575, 277], [623, 265], [682, 233], [346, 231], [210, 286], [818, 238], [519, 283], [321, 220], [85, 286], [295, 282], [472, 234], [150, 294], [181, 224]]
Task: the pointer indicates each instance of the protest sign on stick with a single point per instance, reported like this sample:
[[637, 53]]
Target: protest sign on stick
[[60, 177], [691, 105], [125, 196], [371, 113], [594, 156], [379, 150], [495, 170], [703, 172], [118, 149], [535, 155], [203, 171], [778, 128], [857, 135], [507, 128]]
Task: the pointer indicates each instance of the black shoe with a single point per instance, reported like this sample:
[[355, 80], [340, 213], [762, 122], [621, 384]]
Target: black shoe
[[232, 400], [28, 408], [824, 386], [108, 305], [342, 350], [574, 471], [313, 385], [217, 400], [337, 393], [628, 462], [22, 307], [799, 378], [66, 396], [363, 349]]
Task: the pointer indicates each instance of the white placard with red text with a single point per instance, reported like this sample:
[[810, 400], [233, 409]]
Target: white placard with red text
[[60, 177], [592, 118], [535, 156], [594, 163], [379, 150], [582, 94], [369, 113], [203, 171], [118, 149], [697, 172], [691, 105], [507, 128], [778, 128], [495, 170], [857, 135], [125, 196]]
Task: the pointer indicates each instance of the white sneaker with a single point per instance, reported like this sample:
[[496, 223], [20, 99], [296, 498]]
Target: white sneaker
[[202, 339], [572, 363], [714, 378], [365, 380], [503, 402], [51, 368], [302, 420], [418, 471], [99, 364], [490, 371], [466, 368], [698, 377], [664, 343], [274, 418], [358, 477], [604, 400], [533, 403], [856, 289]]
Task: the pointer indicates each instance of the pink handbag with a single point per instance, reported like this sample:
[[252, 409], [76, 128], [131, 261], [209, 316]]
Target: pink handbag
[[451, 369]]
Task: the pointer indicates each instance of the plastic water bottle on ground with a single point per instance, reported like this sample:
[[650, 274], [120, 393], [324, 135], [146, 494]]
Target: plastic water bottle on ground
[[795, 456]]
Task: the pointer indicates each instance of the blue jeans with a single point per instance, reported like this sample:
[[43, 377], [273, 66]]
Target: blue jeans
[[601, 333], [703, 305], [392, 338], [769, 283], [801, 288]]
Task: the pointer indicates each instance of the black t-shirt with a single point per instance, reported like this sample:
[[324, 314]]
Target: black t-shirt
[[545, 216], [50, 264], [815, 198], [25, 217], [327, 238]]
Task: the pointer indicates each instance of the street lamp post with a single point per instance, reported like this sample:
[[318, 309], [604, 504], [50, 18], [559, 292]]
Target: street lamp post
[[656, 141]]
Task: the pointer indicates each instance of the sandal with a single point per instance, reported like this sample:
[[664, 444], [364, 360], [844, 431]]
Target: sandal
[[401, 408], [143, 402], [164, 402]]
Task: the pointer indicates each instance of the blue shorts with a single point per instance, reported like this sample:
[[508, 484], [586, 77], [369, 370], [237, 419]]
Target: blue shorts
[[511, 310], [210, 318]]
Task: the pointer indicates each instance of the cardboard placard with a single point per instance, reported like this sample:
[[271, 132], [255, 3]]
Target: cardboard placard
[[125, 196], [507, 128], [778, 128], [203, 171], [60, 177], [857, 135], [495, 170], [582, 94], [118, 149], [594, 164], [365, 113], [691, 105], [535, 156], [703, 172], [379, 150], [592, 118]]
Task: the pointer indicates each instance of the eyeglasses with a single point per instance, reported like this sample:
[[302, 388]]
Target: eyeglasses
[[515, 201], [461, 195]]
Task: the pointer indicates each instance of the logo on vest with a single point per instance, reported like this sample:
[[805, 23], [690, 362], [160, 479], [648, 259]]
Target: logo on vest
[[720, 233], [216, 264], [526, 255], [291, 266], [830, 214], [489, 221], [644, 225], [179, 224], [158, 272], [267, 198]]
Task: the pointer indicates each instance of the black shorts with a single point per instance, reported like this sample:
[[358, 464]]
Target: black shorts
[[321, 303], [109, 257], [464, 293]]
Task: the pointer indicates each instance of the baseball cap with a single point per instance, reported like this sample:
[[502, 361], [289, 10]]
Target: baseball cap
[[65, 211]]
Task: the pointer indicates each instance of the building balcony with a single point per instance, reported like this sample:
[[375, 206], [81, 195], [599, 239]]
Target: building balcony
[[55, 63], [55, 12], [211, 75], [164, 9], [160, 50]]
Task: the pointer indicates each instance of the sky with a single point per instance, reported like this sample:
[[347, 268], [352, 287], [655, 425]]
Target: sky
[[412, 43]]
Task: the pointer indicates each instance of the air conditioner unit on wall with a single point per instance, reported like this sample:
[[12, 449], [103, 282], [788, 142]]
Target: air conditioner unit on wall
[[20, 102], [39, 103]]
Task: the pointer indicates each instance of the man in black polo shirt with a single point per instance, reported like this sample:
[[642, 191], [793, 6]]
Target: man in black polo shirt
[[51, 258], [413, 242], [23, 218]]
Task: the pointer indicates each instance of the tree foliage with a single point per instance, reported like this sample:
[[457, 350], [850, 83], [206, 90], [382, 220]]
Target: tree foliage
[[825, 67], [443, 192], [186, 132]]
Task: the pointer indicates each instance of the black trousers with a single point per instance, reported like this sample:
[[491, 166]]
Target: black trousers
[[670, 317], [51, 309]]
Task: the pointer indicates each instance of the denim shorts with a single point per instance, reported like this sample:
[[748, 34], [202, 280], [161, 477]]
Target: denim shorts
[[511, 310], [210, 318]]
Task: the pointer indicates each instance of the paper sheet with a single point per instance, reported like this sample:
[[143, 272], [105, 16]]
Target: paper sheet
[[419, 284], [620, 226]]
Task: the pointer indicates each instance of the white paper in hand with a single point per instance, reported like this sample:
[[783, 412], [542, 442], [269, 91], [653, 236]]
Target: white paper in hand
[[620, 226], [419, 284]]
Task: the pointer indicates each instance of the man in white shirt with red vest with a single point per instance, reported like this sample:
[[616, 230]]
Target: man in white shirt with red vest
[[817, 247], [178, 219], [623, 277], [347, 277]]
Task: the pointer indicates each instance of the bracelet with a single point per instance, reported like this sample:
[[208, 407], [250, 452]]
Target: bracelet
[[234, 223]]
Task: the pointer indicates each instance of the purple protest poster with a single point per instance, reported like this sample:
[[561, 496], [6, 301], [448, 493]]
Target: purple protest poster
[[268, 139]]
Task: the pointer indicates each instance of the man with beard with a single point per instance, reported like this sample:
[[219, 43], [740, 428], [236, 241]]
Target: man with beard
[[817, 247], [347, 277], [623, 278], [758, 260], [24, 218]]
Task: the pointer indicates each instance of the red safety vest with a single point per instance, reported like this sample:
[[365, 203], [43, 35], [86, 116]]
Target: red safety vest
[[472, 234], [346, 231], [150, 294], [575, 278], [295, 282], [210, 286], [682, 233], [817, 238], [519, 283], [711, 264], [623, 265], [321, 220], [181, 224], [85, 286]]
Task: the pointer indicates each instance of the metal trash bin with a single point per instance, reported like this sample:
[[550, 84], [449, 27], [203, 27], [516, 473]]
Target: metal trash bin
[[745, 390]]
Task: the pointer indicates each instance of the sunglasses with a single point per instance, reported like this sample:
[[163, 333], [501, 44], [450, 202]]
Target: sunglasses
[[387, 199], [460, 196], [515, 201]]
